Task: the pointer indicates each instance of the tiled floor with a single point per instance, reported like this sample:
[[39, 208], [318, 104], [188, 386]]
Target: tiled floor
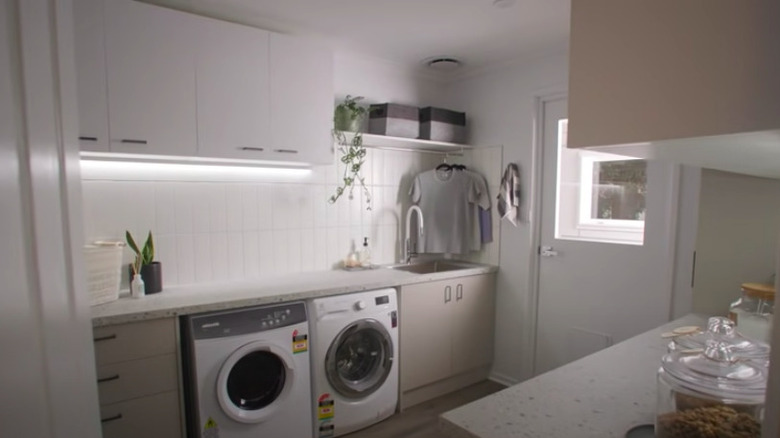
[[422, 421]]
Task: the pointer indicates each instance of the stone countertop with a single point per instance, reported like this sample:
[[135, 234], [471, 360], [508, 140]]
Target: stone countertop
[[183, 300], [601, 395]]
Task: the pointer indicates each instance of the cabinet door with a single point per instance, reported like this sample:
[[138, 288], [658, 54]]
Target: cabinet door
[[426, 352], [301, 101], [641, 73], [91, 74], [150, 54], [473, 322], [232, 90]]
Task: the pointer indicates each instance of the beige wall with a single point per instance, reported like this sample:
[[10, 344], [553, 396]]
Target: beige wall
[[737, 237]]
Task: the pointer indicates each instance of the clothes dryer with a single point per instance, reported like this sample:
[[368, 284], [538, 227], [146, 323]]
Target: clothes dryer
[[247, 373]]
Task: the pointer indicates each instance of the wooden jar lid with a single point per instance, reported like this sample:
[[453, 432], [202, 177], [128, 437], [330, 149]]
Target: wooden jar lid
[[759, 290]]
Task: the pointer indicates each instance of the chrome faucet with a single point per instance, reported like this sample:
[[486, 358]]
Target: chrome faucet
[[408, 251]]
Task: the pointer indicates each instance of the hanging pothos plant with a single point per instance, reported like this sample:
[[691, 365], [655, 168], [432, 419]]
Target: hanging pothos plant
[[349, 116]]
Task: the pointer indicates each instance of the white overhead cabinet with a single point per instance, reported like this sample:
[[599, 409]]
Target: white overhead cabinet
[[165, 82], [232, 91], [91, 75], [151, 79], [653, 77], [301, 100]]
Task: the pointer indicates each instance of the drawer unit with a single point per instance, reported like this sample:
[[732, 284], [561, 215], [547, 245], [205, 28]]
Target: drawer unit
[[138, 379], [123, 342], [148, 417]]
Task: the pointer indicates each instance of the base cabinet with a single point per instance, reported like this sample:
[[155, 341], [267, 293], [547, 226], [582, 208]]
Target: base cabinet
[[446, 335], [138, 380]]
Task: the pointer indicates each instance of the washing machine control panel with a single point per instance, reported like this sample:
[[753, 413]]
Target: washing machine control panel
[[250, 320]]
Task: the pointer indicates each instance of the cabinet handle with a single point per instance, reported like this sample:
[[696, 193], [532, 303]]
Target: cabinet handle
[[88, 138], [447, 294], [459, 292], [105, 338], [114, 418], [133, 141], [108, 379], [286, 151], [248, 148]]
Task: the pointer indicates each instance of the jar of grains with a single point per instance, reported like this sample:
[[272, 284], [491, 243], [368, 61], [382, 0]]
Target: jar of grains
[[710, 394]]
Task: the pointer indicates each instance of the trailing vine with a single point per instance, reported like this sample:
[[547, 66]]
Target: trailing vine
[[349, 116]]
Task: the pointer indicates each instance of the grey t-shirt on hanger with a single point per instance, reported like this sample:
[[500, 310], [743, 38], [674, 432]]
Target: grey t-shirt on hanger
[[444, 196]]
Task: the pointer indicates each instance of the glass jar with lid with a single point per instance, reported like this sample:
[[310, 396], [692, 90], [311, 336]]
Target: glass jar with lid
[[723, 329], [753, 312], [709, 394]]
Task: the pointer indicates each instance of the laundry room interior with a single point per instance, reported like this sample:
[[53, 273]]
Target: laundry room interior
[[471, 218]]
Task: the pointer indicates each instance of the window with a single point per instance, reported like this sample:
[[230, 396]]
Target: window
[[600, 196]]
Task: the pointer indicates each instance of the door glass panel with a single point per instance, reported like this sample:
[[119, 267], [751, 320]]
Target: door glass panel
[[359, 355], [619, 190], [360, 359], [256, 380]]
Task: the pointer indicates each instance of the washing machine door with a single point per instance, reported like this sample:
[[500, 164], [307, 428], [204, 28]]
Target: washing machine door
[[359, 359], [254, 381]]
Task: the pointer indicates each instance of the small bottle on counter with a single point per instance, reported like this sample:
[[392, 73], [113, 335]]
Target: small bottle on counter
[[753, 311], [365, 254], [137, 287]]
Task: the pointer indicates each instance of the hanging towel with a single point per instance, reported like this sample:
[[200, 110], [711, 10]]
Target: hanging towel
[[509, 194]]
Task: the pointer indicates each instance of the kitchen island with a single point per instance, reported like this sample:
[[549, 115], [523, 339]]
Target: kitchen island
[[601, 395]]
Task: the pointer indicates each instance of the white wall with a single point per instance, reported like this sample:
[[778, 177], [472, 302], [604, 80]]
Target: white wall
[[500, 110], [736, 240], [240, 225]]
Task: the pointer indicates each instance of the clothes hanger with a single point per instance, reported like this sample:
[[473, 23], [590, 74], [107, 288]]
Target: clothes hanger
[[444, 165]]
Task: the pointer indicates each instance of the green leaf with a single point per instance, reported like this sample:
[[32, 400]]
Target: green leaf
[[131, 242]]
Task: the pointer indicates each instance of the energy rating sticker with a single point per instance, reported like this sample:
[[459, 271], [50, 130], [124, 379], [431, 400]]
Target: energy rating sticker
[[325, 407], [326, 429], [210, 429], [300, 342]]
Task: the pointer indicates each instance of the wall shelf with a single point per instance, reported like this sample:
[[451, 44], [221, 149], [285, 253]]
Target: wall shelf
[[410, 144]]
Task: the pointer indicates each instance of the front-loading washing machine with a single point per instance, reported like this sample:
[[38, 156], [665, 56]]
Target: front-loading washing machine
[[247, 372], [354, 360]]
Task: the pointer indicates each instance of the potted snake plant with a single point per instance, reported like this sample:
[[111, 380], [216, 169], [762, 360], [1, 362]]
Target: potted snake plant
[[144, 264]]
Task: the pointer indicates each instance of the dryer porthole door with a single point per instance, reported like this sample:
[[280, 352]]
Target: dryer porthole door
[[254, 381], [359, 359]]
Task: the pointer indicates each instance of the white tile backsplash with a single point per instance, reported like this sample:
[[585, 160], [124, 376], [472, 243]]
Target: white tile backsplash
[[216, 230]]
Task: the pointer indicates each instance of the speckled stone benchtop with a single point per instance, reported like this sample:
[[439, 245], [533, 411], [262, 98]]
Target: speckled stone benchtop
[[182, 300], [599, 396]]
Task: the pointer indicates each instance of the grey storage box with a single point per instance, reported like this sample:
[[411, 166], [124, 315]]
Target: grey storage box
[[394, 120], [441, 124]]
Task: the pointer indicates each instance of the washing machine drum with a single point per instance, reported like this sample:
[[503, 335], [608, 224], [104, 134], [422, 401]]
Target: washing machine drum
[[359, 359], [254, 381]]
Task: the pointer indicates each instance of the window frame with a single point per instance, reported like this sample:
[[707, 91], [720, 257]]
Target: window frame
[[576, 223]]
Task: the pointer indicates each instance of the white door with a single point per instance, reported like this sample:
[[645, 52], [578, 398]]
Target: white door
[[591, 293]]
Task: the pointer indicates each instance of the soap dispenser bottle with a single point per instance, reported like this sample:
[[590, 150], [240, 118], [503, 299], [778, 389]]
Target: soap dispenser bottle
[[365, 254]]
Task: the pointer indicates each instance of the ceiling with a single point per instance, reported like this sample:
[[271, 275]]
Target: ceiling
[[478, 33]]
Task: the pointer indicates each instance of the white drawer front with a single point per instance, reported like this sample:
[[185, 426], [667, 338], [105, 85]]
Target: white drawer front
[[137, 378], [156, 416], [123, 342]]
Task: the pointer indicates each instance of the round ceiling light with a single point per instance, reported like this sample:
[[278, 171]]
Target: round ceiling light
[[443, 63]]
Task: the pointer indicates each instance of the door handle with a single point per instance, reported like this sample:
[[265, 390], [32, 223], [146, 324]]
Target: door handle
[[447, 294], [547, 251], [459, 292]]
